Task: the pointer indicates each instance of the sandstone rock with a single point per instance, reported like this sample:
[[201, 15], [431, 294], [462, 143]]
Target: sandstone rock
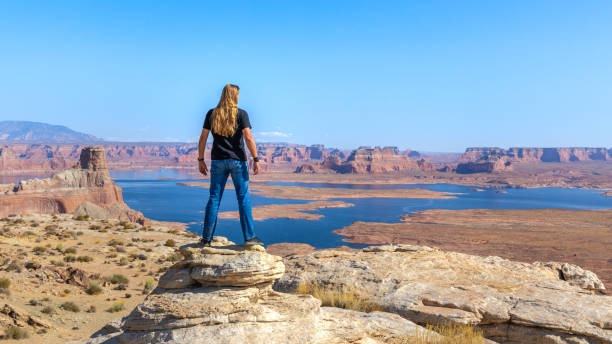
[[234, 266], [527, 154], [85, 187], [22, 318], [429, 286], [306, 169], [177, 279], [77, 277], [575, 275], [243, 309], [376, 160]]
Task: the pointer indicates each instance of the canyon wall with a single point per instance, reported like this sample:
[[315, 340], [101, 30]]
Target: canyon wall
[[86, 187], [495, 159], [370, 160], [40, 159], [527, 154]]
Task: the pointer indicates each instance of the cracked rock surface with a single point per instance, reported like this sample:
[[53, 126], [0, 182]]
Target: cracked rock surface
[[223, 295], [511, 302]]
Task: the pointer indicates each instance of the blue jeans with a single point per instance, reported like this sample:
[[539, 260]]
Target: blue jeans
[[219, 171]]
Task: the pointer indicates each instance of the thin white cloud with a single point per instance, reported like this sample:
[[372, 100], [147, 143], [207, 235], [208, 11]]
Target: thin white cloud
[[273, 134]]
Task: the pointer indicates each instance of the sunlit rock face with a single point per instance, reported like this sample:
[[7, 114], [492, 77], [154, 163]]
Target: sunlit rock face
[[512, 302], [222, 294], [86, 188]]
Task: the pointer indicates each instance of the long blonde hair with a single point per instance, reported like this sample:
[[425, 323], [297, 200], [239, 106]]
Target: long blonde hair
[[225, 114]]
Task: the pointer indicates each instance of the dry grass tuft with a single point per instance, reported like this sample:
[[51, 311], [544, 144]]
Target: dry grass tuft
[[5, 283], [70, 306], [94, 288], [14, 332], [452, 334], [352, 299], [117, 307], [338, 297]]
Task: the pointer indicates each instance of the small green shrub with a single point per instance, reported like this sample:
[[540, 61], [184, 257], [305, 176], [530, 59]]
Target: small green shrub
[[48, 310], [84, 259], [70, 250], [149, 283], [70, 306], [117, 306], [14, 332], [81, 218], [58, 263], [14, 266], [5, 283], [94, 288], [170, 243], [95, 227], [117, 279], [116, 242], [123, 261], [40, 249], [70, 258]]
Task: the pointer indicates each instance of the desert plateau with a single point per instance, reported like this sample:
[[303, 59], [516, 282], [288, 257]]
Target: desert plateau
[[306, 172]]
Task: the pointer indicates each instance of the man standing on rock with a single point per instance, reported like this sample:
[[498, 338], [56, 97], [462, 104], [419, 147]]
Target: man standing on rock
[[228, 125]]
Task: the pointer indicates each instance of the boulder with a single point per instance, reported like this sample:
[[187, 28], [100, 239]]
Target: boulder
[[545, 302], [223, 295]]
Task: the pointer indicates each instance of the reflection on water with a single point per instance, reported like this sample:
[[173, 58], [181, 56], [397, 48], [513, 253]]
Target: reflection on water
[[162, 199]]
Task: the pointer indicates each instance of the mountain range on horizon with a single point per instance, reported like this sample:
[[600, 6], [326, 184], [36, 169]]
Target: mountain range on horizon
[[37, 132]]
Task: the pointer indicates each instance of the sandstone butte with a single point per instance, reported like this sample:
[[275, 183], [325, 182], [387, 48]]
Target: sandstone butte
[[84, 189], [232, 294], [223, 294]]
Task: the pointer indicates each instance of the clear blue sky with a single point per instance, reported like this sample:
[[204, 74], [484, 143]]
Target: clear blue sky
[[426, 75]]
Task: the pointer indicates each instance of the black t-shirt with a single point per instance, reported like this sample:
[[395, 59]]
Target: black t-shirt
[[229, 147]]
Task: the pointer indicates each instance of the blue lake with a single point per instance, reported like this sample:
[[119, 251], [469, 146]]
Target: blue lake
[[164, 200]]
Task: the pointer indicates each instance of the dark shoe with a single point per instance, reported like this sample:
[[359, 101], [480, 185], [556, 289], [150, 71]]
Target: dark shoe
[[253, 241], [204, 243]]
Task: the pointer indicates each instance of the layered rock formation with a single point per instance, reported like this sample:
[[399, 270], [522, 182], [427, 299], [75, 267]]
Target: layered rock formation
[[526, 154], [86, 186], [380, 160], [370, 160], [223, 294], [511, 302], [12, 164], [37, 159], [490, 163]]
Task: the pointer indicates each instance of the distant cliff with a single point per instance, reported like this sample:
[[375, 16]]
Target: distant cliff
[[525, 154], [495, 159], [86, 188], [37, 159], [370, 160]]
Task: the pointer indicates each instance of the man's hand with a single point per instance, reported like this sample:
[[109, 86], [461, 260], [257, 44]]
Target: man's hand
[[203, 168], [255, 168]]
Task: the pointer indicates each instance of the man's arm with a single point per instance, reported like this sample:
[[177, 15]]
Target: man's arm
[[250, 142], [201, 150]]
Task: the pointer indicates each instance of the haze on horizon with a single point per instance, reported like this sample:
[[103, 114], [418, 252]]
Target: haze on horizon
[[430, 76]]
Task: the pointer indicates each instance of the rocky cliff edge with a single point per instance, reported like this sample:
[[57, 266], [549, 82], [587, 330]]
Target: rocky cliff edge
[[223, 294]]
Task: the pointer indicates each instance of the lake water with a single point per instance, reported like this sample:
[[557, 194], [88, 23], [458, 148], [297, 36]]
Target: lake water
[[164, 200]]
